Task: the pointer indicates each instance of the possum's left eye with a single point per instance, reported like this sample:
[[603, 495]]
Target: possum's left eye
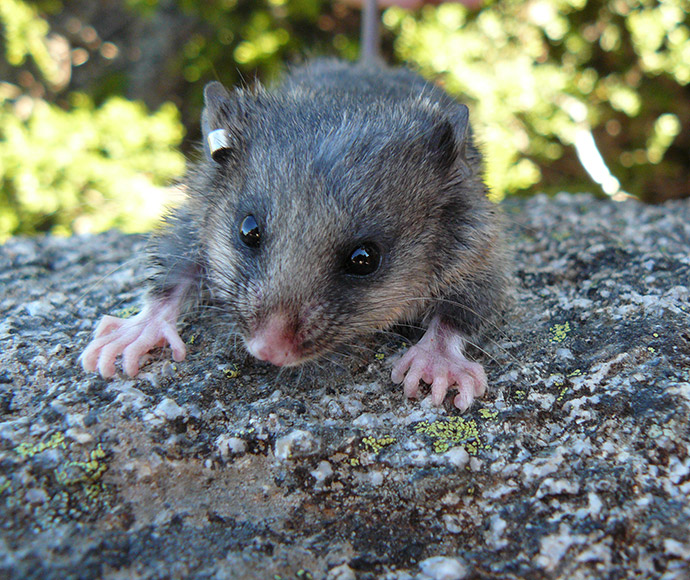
[[250, 233], [364, 260]]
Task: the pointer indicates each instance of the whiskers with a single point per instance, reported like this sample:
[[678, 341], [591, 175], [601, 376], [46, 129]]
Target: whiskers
[[339, 336], [490, 328]]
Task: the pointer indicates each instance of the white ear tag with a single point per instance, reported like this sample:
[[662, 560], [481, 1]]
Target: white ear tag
[[217, 143]]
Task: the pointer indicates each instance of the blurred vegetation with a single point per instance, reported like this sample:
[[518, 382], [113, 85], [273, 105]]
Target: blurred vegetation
[[97, 97], [543, 76]]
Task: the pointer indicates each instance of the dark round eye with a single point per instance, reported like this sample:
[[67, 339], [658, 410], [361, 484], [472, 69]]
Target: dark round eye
[[363, 260], [250, 233]]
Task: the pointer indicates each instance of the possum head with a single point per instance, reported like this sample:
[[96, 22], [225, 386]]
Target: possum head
[[331, 220]]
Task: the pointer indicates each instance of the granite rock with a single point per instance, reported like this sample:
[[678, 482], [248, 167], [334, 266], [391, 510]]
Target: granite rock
[[576, 464]]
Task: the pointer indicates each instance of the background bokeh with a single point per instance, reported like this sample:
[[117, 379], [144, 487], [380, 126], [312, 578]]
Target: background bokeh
[[100, 101]]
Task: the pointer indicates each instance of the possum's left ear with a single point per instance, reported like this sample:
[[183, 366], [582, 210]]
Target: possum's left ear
[[449, 140], [220, 123]]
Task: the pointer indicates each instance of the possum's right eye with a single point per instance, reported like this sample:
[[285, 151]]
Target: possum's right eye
[[250, 232]]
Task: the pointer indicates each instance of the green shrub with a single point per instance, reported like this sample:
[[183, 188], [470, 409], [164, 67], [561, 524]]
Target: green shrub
[[554, 86], [81, 167], [545, 76], [86, 168]]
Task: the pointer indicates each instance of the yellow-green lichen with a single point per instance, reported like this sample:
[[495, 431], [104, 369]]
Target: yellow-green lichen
[[488, 414], [27, 450], [450, 432], [301, 574], [559, 332], [379, 356], [90, 471], [560, 236], [127, 312], [232, 372], [375, 445], [75, 488], [575, 373], [561, 386]]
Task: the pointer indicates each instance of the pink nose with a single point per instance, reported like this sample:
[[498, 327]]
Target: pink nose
[[278, 352], [274, 342]]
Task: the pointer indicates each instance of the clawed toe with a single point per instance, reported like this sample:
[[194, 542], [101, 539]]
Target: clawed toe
[[438, 360], [133, 338], [467, 377]]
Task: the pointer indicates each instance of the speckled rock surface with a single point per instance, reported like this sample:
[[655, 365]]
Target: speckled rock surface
[[575, 465]]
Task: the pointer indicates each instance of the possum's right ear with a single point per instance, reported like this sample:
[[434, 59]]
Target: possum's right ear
[[218, 123]]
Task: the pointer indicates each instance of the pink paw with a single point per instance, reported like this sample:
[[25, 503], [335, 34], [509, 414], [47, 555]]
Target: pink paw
[[133, 338], [438, 360]]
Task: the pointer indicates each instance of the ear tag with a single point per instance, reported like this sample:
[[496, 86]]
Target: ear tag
[[217, 143]]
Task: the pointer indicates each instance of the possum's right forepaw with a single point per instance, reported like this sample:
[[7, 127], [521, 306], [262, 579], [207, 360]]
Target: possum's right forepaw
[[132, 338]]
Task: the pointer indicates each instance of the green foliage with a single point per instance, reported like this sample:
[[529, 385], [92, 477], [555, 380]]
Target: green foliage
[[81, 168], [539, 74], [236, 42], [25, 35], [86, 168]]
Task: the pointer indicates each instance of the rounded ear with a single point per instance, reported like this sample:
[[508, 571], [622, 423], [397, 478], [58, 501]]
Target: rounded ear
[[449, 139], [215, 95], [463, 135], [452, 138], [442, 145], [461, 121], [217, 121]]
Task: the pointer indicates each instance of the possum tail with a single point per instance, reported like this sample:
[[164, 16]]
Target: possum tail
[[370, 35]]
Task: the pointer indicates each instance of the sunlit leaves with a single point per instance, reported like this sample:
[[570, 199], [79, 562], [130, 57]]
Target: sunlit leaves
[[85, 169], [536, 74]]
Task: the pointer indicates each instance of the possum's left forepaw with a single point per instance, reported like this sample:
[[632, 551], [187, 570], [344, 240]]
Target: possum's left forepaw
[[439, 360]]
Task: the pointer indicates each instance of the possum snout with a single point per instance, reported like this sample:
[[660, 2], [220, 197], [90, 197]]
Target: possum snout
[[288, 336], [276, 340]]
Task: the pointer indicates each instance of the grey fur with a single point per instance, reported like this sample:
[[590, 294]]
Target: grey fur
[[339, 154]]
